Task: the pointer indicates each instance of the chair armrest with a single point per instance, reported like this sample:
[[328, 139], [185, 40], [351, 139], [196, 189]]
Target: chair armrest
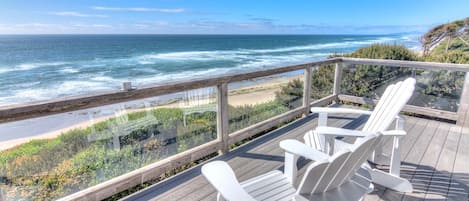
[[394, 133], [222, 177], [335, 110], [325, 130], [300, 149]]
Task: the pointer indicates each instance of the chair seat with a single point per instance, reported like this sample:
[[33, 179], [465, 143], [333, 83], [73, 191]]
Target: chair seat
[[354, 189], [275, 186], [269, 186]]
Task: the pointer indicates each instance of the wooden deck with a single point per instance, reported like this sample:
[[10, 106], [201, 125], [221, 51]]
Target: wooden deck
[[435, 159]]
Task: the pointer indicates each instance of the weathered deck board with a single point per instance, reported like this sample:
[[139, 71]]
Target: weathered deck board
[[413, 125], [253, 162], [435, 158], [416, 126], [459, 189], [423, 173], [441, 177]]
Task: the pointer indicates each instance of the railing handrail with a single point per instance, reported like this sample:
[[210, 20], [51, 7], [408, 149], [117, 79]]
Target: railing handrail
[[96, 99], [407, 64], [224, 138], [73, 103]]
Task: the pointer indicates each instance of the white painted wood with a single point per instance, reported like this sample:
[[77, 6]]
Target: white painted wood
[[391, 181], [322, 142], [313, 175], [386, 111], [336, 163], [337, 110], [321, 177], [322, 121], [361, 151], [291, 169], [301, 149], [395, 165], [220, 175], [324, 130]]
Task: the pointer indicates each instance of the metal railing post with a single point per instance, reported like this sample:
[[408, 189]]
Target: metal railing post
[[307, 91], [222, 117], [463, 109]]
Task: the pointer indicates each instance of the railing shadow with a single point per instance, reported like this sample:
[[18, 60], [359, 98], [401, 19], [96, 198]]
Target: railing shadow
[[242, 151], [429, 184], [170, 183]]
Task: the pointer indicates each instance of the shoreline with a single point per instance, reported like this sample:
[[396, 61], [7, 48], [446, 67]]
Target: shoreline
[[263, 92]]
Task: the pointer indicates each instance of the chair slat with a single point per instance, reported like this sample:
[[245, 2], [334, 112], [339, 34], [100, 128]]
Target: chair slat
[[336, 163], [313, 174], [380, 109], [359, 150]]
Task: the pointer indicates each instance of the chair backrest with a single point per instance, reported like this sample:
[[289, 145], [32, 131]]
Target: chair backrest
[[222, 177], [322, 176], [389, 105]]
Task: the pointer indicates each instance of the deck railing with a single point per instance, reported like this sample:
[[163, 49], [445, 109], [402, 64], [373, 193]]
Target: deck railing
[[224, 137]]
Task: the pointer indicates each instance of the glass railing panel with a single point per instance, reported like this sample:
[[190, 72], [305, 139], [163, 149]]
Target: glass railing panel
[[437, 89], [322, 81], [253, 101], [53, 156], [370, 81]]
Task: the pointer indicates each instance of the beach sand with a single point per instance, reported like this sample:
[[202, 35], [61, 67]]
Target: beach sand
[[249, 95]]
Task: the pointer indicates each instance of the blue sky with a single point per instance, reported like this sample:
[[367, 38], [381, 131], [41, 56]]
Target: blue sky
[[226, 17]]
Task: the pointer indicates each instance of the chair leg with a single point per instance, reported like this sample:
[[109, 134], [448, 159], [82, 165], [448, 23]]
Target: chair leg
[[291, 169], [390, 181], [395, 167], [376, 153], [220, 198], [329, 144], [322, 121]]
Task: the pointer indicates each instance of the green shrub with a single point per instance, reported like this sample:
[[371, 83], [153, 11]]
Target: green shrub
[[291, 95], [49, 169]]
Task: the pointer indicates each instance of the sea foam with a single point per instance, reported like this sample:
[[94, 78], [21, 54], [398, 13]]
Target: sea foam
[[158, 65]]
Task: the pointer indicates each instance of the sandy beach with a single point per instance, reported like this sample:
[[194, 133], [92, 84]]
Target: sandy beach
[[254, 93]]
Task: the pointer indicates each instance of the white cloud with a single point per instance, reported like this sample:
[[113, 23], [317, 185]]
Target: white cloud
[[141, 9], [103, 26], [46, 28], [76, 14]]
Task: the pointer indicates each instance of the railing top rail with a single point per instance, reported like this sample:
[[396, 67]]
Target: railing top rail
[[410, 64], [73, 103]]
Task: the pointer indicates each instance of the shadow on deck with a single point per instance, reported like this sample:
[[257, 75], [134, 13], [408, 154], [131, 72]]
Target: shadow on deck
[[435, 159]]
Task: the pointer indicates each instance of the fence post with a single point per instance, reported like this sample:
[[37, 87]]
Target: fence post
[[222, 117], [463, 109], [337, 80], [307, 91]]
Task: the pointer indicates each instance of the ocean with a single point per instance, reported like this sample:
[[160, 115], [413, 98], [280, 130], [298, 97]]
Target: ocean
[[41, 67]]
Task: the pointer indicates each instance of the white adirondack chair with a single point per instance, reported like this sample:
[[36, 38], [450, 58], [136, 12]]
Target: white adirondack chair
[[332, 178], [386, 111]]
